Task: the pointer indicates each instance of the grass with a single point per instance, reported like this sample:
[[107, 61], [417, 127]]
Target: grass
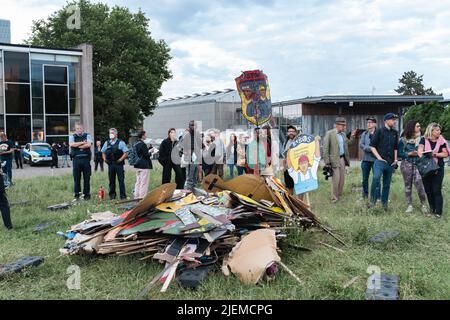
[[420, 255]]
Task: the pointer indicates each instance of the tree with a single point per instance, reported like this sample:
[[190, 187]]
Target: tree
[[425, 113], [444, 121], [129, 66], [412, 84]]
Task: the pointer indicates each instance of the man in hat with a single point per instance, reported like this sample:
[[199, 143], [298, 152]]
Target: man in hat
[[384, 145], [336, 155], [368, 156]]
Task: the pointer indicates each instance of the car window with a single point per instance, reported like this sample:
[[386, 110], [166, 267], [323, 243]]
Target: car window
[[40, 148]]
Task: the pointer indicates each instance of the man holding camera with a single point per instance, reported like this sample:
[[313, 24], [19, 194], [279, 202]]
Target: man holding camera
[[384, 146]]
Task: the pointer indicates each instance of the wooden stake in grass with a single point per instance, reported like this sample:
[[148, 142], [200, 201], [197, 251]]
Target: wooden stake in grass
[[291, 273], [331, 247]]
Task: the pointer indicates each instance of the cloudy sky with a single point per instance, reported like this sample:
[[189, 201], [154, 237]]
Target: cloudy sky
[[317, 47]]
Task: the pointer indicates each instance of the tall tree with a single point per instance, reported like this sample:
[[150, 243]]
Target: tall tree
[[412, 84], [129, 66]]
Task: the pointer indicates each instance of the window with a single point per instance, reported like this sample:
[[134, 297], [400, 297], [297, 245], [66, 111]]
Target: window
[[17, 67], [17, 98], [56, 101], [55, 75], [57, 126], [19, 128], [2, 123]]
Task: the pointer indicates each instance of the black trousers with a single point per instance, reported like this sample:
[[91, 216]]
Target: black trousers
[[54, 162], [113, 171], [4, 205], [433, 188], [82, 166], [167, 175], [18, 158], [97, 163]]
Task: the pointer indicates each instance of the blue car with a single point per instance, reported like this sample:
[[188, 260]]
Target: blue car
[[37, 152]]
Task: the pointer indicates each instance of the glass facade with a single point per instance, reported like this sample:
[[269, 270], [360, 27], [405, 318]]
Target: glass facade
[[5, 31], [39, 95]]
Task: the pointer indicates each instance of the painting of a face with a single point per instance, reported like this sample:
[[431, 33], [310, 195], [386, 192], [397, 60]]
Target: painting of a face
[[303, 166]]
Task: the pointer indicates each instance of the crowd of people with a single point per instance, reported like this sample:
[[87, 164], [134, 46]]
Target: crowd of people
[[193, 155]]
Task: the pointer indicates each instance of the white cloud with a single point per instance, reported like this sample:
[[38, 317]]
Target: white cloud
[[306, 48]]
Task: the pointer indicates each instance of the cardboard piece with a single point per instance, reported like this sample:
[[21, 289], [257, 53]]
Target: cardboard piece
[[151, 200], [250, 258], [303, 160]]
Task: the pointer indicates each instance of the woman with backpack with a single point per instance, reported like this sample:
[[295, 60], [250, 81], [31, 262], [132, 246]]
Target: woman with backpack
[[434, 145], [407, 151], [143, 165]]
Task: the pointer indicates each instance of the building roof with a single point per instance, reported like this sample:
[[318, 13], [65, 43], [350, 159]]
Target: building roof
[[227, 95], [362, 99], [38, 49]]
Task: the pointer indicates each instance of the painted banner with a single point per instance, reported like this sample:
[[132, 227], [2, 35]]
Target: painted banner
[[253, 88], [303, 159]]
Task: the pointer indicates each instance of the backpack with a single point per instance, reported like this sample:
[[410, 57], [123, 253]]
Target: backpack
[[132, 156]]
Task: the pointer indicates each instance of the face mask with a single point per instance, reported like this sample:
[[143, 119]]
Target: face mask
[[112, 136]]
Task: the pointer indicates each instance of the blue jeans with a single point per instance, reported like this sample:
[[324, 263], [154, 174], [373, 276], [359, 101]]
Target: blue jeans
[[7, 169], [366, 167], [231, 167], [241, 170], [381, 169]]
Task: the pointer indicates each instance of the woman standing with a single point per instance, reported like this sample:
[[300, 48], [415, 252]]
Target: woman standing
[[232, 154], [241, 162], [143, 166], [407, 151], [435, 146]]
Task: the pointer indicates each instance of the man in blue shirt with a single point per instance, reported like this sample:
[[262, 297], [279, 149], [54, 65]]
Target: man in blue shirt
[[115, 152], [80, 149]]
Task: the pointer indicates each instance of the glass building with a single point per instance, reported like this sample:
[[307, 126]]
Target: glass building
[[41, 92], [5, 31]]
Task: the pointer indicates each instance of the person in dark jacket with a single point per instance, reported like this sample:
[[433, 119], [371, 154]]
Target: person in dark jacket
[[54, 156], [368, 157], [65, 155], [115, 152], [170, 158], [143, 166], [18, 155], [4, 205], [98, 158]]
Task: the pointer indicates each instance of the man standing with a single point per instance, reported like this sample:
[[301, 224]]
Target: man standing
[[192, 153], [65, 155], [4, 205], [169, 158], [80, 146], [336, 155], [368, 157], [18, 155], [384, 145], [288, 181], [98, 156], [217, 152], [6, 154], [115, 152]]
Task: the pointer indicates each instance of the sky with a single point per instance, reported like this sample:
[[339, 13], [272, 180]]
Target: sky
[[306, 48]]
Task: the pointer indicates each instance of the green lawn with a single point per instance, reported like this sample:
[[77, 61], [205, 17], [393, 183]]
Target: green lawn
[[420, 255]]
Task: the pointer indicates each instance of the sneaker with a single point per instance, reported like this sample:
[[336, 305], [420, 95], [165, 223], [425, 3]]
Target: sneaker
[[438, 216], [425, 209], [410, 209], [385, 207], [370, 205]]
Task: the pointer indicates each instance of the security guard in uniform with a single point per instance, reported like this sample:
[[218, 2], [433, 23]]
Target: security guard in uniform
[[80, 151], [114, 153]]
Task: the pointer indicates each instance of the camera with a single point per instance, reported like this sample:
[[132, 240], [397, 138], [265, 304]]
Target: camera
[[327, 172]]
